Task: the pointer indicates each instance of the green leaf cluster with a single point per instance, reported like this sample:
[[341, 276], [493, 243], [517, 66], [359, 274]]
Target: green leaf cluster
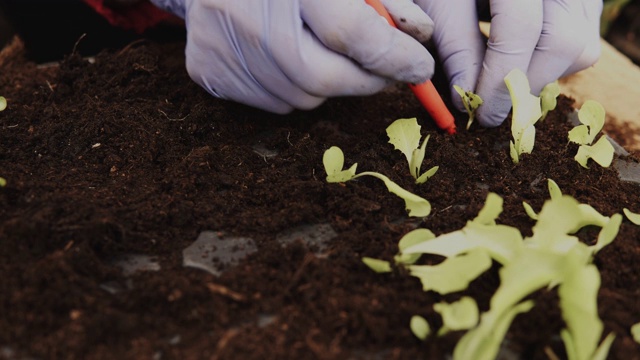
[[551, 257], [592, 116]]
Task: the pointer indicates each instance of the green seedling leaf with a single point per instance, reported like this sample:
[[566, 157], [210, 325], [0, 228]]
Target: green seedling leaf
[[529, 210], [427, 175], [592, 115], [333, 160], [554, 189], [549, 98], [526, 112], [379, 266], [3, 182], [635, 332], [633, 217], [608, 233], [483, 342], [490, 211], [454, 273], [412, 238], [602, 153], [460, 315], [419, 327], [578, 302], [415, 205], [3, 103], [404, 135], [470, 101]]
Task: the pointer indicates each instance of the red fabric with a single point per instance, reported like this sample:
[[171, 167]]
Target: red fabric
[[138, 17]]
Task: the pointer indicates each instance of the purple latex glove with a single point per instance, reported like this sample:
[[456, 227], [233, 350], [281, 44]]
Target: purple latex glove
[[546, 39], [280, 55]]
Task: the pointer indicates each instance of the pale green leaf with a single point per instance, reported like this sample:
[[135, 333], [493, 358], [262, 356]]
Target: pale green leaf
[[3, 103], [635, 332], [415, 205], [602, 352], [470, 101], [404, 135], [633, 217], [548, 97], [454, 273], [411, 238], [483, 342], [419, 327], [592, 114], [554, 189], [601, 152], [578, 302], [608, 233], [379, 266], [3, 182], [526, 107], [333, 160], [579, 135], [527, 140], [529, 210], [427, 175], [417, 157], [514, 154], [490, 211], [460, 315]]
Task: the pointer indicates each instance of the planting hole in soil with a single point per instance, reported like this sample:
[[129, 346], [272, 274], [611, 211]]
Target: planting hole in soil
[[125, 180]]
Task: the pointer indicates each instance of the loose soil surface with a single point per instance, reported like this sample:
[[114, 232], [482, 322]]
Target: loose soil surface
[[126, 155]]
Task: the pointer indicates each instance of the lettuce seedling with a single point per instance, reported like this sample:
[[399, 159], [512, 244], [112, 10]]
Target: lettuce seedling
[[526, 112], [379, 266], [549, 98], [470, 101], [592, 116], [404, 135], [420, 327], [333, 160]]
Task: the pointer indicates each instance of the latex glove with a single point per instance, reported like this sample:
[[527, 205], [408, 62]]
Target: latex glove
[[278, 55], [546, 39]]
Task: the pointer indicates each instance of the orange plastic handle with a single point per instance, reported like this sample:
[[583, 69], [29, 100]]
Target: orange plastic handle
[[425, 92]]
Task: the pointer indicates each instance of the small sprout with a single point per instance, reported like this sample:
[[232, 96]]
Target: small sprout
[[592, 116], [549, 98], [635, 332], [3, 103], [3, 182], [379, 266], [333, 160], [633, 217], [404, 135], [526, 112], [470, 101], [419, 327], [460, 315]]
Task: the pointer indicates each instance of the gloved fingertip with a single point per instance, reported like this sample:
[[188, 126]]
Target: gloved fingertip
[[490, 119]]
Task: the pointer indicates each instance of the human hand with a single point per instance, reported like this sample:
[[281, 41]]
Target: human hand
[[546, 39], [280, 55]]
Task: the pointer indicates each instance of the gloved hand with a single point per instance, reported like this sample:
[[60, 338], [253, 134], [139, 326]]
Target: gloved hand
[[546, 39], [278, 55]]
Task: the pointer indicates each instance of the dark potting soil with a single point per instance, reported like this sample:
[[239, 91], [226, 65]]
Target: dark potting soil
[[126, 155]]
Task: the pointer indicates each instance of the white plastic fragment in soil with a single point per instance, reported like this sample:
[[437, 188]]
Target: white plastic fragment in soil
[[316, 237], [214, 254], [132, 263]]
